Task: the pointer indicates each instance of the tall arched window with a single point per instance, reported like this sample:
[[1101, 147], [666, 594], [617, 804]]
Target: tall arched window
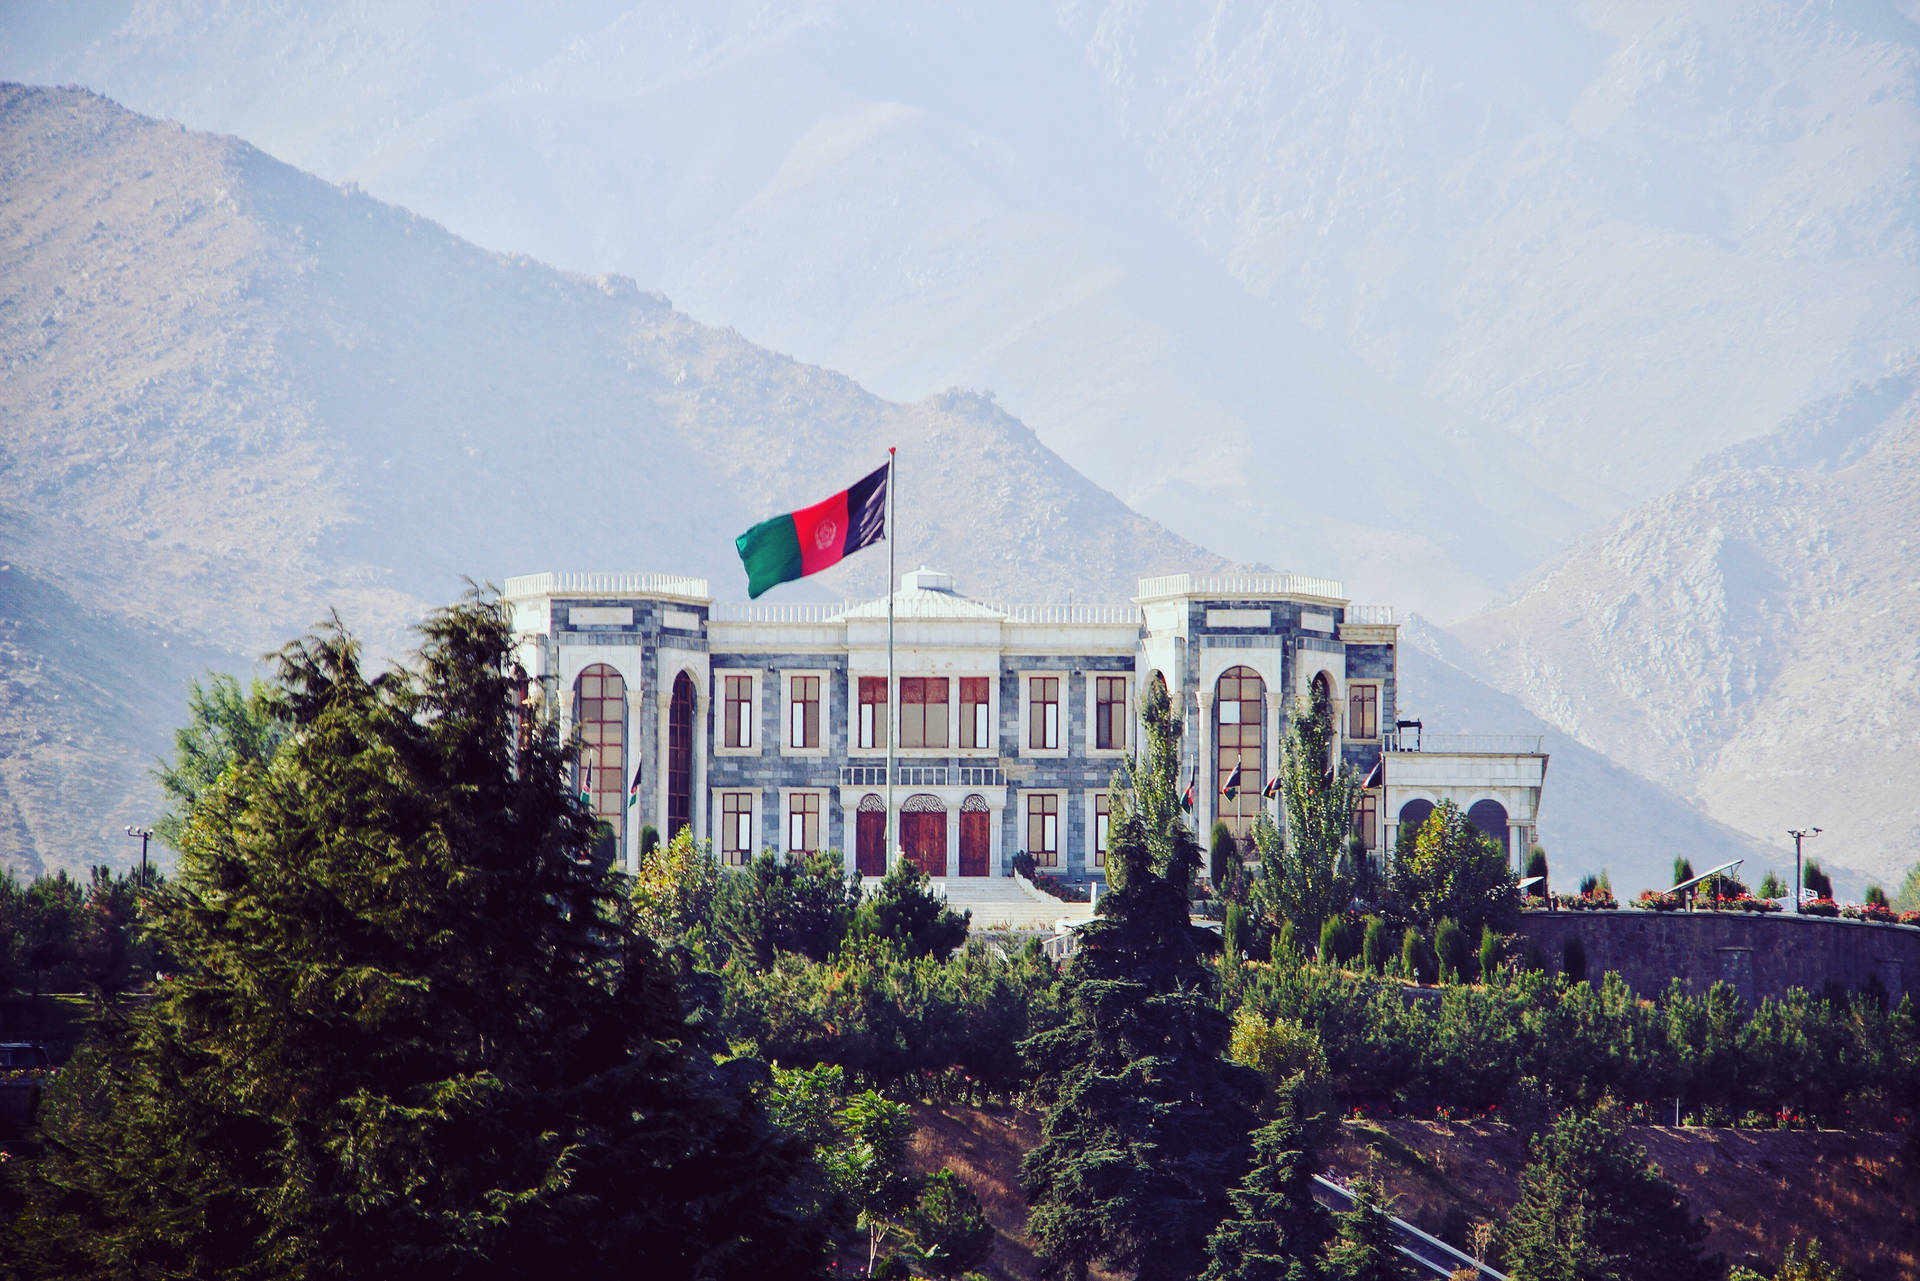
[[600, 718], [1240, 721], [680, 756]]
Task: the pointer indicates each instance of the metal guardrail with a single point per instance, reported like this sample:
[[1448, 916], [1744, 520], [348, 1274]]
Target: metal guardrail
[[1423, 1250], [1466, 744]]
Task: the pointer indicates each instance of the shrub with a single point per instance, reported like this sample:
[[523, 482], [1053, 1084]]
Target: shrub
[[1489, 952], [1417, 961], [1588, 884], [1537, 866], [1373, 945], [1335, 941], [1450, 942], [1771, 886], [1023, 864], [953, 1233], [1656, 901], [1222, 852], [1816, 880], [1876, 897], [1820, 907]]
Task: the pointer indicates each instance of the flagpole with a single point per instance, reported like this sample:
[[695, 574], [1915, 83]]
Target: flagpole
[[893, 533]]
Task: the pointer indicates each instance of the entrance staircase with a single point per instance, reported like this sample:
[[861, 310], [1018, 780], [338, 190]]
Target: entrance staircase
[[998, 903]]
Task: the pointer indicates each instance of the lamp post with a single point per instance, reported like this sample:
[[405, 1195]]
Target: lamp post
[[145, 834], [1798, 835]]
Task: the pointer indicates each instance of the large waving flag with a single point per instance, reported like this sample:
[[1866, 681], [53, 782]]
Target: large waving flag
[[783, 548]]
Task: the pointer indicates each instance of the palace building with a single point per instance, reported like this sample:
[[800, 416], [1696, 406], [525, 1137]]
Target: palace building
[[765, 726]]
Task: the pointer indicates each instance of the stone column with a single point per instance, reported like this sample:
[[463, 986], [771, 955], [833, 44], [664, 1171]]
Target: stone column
[[1209, 772], [702, 732]]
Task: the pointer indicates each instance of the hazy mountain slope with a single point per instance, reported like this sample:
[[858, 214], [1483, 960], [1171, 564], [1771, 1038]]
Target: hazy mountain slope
[[1410, 297], [1750, 638], [236, 396]]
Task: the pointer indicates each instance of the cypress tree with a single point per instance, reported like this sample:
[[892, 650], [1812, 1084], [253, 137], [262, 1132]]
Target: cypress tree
[[1145, 1122], [413, 1031], [1276, 1230]]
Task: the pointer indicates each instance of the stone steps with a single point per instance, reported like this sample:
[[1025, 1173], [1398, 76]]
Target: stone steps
[[998, 903]]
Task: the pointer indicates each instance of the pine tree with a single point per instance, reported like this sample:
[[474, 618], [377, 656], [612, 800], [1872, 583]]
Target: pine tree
[[413, 1032], [1276, 1230], [1306, 876], [1365, 1251], [1145, 1122], [1592, 1208]]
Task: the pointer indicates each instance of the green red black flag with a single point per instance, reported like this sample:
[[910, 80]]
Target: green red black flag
[[1186, 797], [783, 548]]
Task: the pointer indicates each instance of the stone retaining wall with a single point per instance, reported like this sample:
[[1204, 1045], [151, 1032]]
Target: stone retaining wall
[[1759, 955]]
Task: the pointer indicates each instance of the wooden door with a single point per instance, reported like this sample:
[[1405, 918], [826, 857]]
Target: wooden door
[[976, 841], [870, 843], [925, 837]]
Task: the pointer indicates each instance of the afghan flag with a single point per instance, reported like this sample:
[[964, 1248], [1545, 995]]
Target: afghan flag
[[1273, 788], [1186, 797], [1232, 790], [633, 793], [814, 538]]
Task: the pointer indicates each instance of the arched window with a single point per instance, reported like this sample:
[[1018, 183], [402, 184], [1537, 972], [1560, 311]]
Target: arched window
[[1489, 818], [1240, 728], [600, 719], [680, 756], [1413, 816]]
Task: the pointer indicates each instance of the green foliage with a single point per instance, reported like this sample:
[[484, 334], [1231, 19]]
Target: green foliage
[[952, 1231], [1489, 953], [1144, 1123], [1336, 941], [57, 935], [1455, 953], [1222, 853], [1305, 875], [226, 729], [775, 905], [1802, 1263], [1238, 920], [649, 839], [1373, 946], [1592, 1208], [1682, 869], [1365, 1249], [1455, 872], [1876, 896], [1771, 886], [1907, 897], [675, 887], [412, 1029], [1417, 959], [1275, 1230], [1815, 879], [1285, 1053], [903, 911]]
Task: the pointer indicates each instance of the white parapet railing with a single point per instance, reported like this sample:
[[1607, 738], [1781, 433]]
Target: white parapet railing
[[1241, 586], [1370, 615], [1098, 615], [805, 611], [923, 776], [552, 584]]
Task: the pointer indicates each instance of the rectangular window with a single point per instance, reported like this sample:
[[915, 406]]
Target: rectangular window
[[1363, 711], [1043, 712], [1366, 819], [923, 711], [803, 712], [1043, 830], [1110, 712], [803, 823], [1101, 813], [736, 827], [738, 699], [873, 711], [973, 712]]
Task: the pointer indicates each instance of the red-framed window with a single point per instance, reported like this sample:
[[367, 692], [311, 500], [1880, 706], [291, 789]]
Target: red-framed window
[[923, 711], [975, 729]]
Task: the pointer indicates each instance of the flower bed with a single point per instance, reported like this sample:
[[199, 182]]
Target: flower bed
[[1876, 912], [1742, 903], [1910, 918], [1060, 889], [1819, 907], [1655, 901]]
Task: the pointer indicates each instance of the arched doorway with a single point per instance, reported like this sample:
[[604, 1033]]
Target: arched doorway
[[923, 833], [1489, 818], [1413, 816], [976, 836], [680, 756], [1240, 742], [870, 836], [600, 720]]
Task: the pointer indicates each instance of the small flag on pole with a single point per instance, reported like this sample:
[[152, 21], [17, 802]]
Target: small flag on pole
[[586, 784], [1186, 797], [1232, 789], [633, 792], [783, 548], [1272, 789]]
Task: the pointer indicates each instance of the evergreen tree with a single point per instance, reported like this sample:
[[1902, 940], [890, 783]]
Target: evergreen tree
[[1365, 1250], [1145, 1123], [953, 1233], [413, 1030], [1816, 879], [1276, 1229], [905, 912], [1592, 1208], [775, 905], [1306, 876], [226, 727], [1537, 866]]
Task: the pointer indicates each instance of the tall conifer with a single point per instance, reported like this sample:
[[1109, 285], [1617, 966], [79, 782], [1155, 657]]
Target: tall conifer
[[1145, 1124], [1276, 1230], [414, 1031]]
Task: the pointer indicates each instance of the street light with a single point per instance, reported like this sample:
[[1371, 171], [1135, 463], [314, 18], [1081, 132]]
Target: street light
[[1798, 835], [144, 833]]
